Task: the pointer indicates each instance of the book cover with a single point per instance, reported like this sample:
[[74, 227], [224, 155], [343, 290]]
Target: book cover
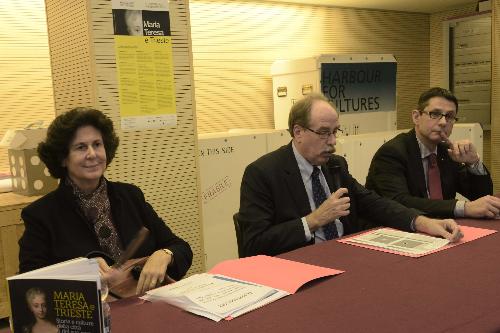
[[55, 302]]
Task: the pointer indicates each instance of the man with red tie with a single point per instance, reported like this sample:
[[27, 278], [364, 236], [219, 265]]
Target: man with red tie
[[424, 169]]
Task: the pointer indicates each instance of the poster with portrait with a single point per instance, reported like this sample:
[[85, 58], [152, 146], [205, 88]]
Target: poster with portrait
[[143, 48]]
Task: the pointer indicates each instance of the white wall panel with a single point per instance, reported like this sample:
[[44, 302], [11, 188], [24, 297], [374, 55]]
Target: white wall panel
[[25, 80], [223, 158], [236, 41]]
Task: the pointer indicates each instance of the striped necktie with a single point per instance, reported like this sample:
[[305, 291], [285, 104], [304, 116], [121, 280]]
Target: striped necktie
[[319, 196]]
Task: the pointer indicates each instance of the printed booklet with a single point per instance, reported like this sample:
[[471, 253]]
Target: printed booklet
[[64, 298]]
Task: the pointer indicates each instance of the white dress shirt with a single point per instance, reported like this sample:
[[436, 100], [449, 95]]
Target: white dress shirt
[[306, 170]]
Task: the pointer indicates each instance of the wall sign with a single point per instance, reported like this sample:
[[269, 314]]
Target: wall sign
[[360, 87], [143, 46]]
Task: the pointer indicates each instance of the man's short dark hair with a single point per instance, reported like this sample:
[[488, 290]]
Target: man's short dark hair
[[300, 113], [61, 132], [423, 101]]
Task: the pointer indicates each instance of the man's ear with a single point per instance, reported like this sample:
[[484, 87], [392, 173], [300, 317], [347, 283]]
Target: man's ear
[[415, 116], [63, 163], [297, 131]]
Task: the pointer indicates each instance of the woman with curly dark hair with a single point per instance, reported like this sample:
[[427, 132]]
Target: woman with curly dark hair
[[88, 213]]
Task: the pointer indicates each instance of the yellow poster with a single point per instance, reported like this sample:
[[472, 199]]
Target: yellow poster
[[143, 47]]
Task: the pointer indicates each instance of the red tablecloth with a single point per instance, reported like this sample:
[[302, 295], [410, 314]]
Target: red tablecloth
[[457, 290]]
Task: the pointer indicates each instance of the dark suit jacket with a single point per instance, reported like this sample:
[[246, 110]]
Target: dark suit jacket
[[274, 199], [56, 229], [397, 172]]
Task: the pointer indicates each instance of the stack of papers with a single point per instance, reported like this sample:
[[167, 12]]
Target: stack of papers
[[235, 287], [400, 241], [410, 244], [215, 296]]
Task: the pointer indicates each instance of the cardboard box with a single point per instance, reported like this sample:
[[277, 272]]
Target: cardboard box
[[30, 176]]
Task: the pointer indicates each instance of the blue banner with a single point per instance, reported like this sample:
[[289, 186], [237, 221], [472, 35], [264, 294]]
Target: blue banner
[[360, 87]]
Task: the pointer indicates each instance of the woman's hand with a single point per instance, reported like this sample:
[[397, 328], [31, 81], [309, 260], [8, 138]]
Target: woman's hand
[[103, 266], [109, 275], [153, 272]]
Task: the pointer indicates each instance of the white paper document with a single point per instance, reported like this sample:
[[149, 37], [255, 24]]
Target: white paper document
[[215, 296], [400, 241]]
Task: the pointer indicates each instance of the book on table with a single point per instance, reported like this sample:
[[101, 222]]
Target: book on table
[[65, 297]]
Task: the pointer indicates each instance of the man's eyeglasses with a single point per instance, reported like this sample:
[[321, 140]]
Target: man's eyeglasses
[[437, 115], [325, 134]]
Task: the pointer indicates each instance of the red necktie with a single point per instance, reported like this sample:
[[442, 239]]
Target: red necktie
[[434, 178]]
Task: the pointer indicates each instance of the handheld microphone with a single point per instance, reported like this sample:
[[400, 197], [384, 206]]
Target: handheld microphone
[[336, 177]]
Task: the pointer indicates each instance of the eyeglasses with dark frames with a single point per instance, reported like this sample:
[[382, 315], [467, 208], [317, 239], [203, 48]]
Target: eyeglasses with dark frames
[[437, 115], [325, 134]]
